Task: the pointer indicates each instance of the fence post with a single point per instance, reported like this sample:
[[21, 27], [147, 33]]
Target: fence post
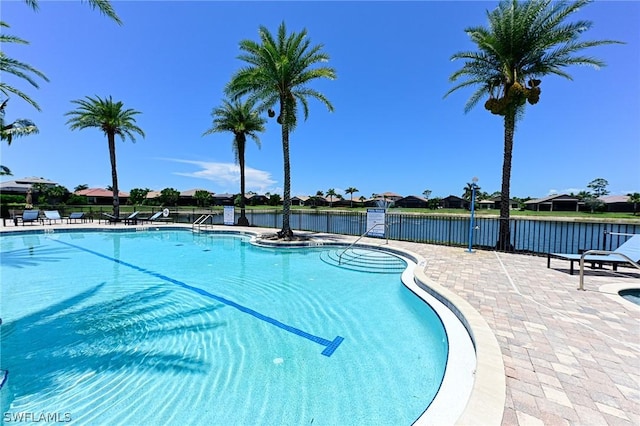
[[604, 238]]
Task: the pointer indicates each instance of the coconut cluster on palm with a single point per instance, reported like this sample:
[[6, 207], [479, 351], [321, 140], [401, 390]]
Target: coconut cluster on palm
[[516, 95]]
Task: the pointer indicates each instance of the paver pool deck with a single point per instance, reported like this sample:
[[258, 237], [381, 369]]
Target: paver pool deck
[[570, 357]]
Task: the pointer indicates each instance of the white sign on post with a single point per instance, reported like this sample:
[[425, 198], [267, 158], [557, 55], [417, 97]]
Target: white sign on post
[[376, 222], [229, 215]]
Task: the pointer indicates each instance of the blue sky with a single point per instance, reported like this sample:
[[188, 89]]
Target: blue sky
[[391, 129]]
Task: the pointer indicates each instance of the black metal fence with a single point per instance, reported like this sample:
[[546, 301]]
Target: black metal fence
[[528, 235]]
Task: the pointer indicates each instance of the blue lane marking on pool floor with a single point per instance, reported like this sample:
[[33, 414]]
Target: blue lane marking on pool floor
[[330, 345]]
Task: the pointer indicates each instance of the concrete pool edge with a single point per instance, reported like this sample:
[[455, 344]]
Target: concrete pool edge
[[488, 396], [612, 291]]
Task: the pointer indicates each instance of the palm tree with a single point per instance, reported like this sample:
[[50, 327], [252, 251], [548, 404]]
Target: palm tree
[[635, 199], [351, 190], [104, 6], [278, 72], [468, 191], [241, 119], [18, 69], [331, 193], [112, 119], [524, 41]]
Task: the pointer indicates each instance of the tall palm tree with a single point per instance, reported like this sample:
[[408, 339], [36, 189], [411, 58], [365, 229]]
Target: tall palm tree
[[351, 190], [241, 119], [278, 71], [112, 119], [524, 41], [331, 193]]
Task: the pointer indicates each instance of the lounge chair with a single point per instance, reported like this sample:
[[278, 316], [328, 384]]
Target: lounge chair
[[76, 216], [132, 219], [630, 248], [51, 216], [151, 218], [128, 220], [28, 216]]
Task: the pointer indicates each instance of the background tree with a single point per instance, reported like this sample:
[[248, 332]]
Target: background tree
[[241, 119], [434, 203], [524, 41], [275, 200], [77, 200], [599, 187], [138, 196], [593, 203], [468, 191], [351, 190], [169, 197], [81, 187], [634, 198], [331, 193], [203, 198], [316, 198], [5, 171], [112, 119], [278, 71], [583, 195], [426, 193]]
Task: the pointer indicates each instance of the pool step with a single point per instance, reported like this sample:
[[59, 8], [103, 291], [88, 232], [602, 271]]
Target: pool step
[[364, 260]]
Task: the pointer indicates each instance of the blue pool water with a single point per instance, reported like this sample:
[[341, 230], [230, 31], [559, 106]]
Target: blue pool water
[[174, 327], [632, 295]]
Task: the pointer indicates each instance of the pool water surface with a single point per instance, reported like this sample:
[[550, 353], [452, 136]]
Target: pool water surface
[[175, 327]]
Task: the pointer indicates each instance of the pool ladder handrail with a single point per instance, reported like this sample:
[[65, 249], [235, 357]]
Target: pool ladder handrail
[[600, 252], [200, 221], [361, 236]]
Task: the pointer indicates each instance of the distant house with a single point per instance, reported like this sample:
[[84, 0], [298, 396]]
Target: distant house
[[494, 203], [486, 204], [187, 198], [21, 186], [453, 202], [153, 194], [223, 199], [413, 201], [306, 200], [554, 203], [299, 200], [257, 199], [101, 196], [617, 203]]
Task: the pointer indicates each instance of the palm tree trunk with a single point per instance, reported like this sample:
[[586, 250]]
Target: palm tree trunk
[[504, 235], [286, 231], [243, 221], [114, 174]]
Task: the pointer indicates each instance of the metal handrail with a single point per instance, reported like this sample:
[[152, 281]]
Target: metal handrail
[[600, 252], [361, 236], [199, 221]]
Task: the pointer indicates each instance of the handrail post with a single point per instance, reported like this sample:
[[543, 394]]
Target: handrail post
[[583, 255]]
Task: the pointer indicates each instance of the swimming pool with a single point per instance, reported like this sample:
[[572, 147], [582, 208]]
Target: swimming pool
[[631, 294], [191, 328]]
